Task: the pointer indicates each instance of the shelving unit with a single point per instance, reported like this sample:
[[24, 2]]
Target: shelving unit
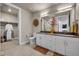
[[3, 23]]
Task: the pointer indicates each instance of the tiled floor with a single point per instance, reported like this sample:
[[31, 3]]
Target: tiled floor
[[22, 50], [11, 48], [7, 45]]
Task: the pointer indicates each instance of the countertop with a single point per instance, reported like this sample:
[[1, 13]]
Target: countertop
[[64, 35]]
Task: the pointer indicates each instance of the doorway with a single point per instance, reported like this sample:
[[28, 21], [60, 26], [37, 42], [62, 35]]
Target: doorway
[[9, 27]]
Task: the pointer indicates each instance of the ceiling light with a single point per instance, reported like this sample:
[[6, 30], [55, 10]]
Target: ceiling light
[[45, 13], [63, 8], [9, 10]]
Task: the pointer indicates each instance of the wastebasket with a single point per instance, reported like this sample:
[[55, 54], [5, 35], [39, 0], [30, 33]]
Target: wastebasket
[[32, 41]]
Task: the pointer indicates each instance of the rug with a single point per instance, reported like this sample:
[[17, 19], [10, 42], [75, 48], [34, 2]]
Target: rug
[[41, 49]]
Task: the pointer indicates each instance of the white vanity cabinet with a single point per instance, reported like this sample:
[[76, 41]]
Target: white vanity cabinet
[[60, 45], [46, 41], [39, 40], [51, 42], [72, 46]]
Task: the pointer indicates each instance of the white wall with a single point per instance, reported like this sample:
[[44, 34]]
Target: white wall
[[36, 16], [26, 25]]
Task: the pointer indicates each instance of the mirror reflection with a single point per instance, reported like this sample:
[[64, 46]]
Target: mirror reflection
[[60, 22]]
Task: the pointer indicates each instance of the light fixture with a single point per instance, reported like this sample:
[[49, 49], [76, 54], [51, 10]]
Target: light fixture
[[63, 8], [9, 10], [44, 13]]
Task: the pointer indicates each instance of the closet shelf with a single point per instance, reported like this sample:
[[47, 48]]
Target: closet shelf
[[3, 23], [15, 22]]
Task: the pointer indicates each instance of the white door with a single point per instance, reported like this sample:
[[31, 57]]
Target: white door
[[72, 48], [59, 45]]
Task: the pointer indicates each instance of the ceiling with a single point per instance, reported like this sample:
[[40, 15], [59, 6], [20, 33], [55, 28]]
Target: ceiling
[[34, 7], [4, 8]]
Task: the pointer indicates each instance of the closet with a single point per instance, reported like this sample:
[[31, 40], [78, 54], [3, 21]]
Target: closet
[[8, 16]]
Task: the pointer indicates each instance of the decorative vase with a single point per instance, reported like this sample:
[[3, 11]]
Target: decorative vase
[[53, 29]]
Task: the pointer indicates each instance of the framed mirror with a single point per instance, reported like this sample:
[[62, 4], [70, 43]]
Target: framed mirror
[[35, 22]]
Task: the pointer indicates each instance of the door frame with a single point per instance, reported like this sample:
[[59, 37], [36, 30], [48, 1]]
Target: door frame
[[19, 18]]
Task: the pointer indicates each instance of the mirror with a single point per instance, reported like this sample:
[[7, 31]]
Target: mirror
[[62, 22], [35, 22]]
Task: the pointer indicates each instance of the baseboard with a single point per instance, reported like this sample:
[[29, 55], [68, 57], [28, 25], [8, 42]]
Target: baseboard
[[25, 42]]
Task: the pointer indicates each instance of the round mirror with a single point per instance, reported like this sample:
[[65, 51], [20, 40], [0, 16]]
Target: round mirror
[[35, 22]]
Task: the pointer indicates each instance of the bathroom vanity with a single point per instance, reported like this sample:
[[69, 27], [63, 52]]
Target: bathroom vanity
[[60, 43]]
